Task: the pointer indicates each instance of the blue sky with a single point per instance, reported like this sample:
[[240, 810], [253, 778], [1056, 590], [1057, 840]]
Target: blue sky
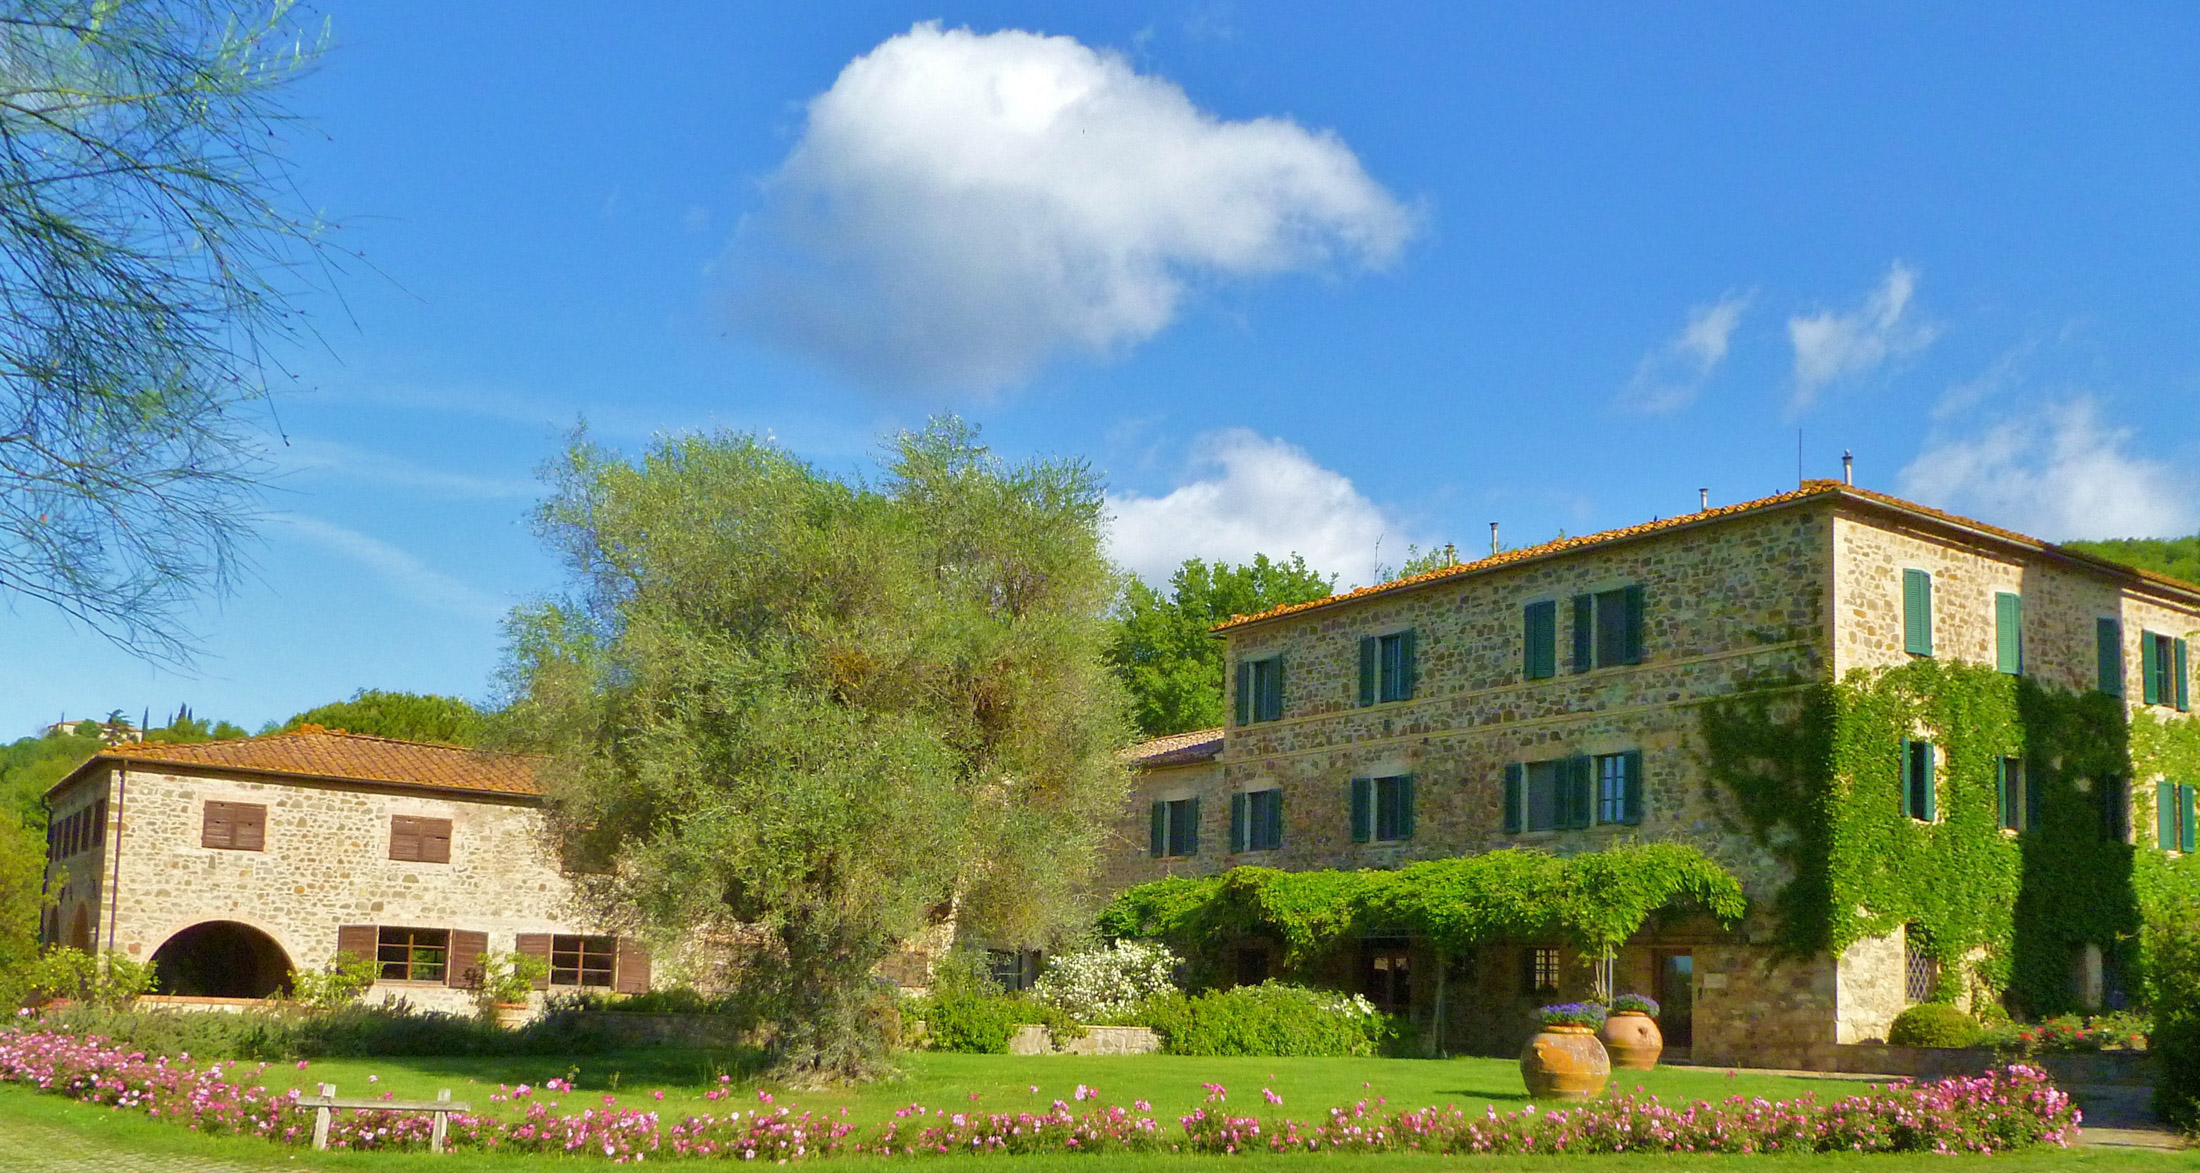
[[1322, 278]]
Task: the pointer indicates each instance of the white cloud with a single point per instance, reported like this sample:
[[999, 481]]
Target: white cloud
[[406, 574], [1265, 497], [306, 455], [1670, 377], [1831, 347], [962, 207], [2059, 475]]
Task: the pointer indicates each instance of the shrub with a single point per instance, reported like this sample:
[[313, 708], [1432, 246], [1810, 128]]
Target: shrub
[[280, 1033], [2173, 973], [1635, 1004], [1587, 1014], [1106, 984], [1933, 1024], [347, 976], [509, 978], [1268, 1019], [109, 979]]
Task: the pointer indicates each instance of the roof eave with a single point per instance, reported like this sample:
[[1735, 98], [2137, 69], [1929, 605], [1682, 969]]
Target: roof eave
[[167, 765]]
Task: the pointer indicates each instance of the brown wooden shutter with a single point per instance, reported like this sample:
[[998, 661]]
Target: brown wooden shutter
[[404, 838], [251, 827], [633, 973], [234, 826], [358, 940], [534, 945], [464, 966], [435, 840], [214, 830]]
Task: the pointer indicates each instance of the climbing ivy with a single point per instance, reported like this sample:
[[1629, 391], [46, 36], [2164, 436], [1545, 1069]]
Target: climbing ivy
[[1593, 901], [1814, 773]]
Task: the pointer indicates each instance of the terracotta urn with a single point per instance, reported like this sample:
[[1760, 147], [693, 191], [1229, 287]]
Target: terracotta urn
[[1631, 1038], [1565, 1063], [513, 1015]]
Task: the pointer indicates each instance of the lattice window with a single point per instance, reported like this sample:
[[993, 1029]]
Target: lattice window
[[1920, 970]]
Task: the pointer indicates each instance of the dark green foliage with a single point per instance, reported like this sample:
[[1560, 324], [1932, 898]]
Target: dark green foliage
[[974, 1021], [1594, 900], [2173, 972], [443, 720], [1933, 1024], [352, 1031], [1814, 773], [1269, 1019], [2176, 557], [780, 705], [1164, 651], [30, 767]]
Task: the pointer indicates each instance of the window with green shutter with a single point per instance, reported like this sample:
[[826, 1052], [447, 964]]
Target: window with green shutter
[[2009, 793], [2174, 811], [1158, 845], [1917, 612], [1387, 668], [1256, 820], [1260, 690], [1619, 787], [1393, 808], [2009, 633], [2179, 678], [2188, 840], [1539, 654], [2157, 656], [1363, 809], [1607, 628], [1919, 800], [1585, 633], [1515, 787], [2108, 651], [1240, 816], [1175, 828]]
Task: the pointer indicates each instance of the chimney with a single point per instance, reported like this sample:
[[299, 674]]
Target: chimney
[[1493, 537], [1703, 499], [1848, 468]]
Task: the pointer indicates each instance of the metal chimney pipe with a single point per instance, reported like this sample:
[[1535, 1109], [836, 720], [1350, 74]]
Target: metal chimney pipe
[[1703, 498], [1848, 468], [1493, 537]]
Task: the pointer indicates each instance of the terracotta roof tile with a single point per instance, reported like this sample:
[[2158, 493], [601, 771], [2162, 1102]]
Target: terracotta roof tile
[[1808, 489], [314, 752], [1176, 749]]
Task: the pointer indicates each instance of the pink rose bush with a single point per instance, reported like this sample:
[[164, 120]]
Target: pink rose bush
[[2000, 1110]]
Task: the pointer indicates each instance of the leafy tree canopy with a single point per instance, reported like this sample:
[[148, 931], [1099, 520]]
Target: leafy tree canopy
[[1163, 651], [815, 716], [444, 720], [2176, 557]]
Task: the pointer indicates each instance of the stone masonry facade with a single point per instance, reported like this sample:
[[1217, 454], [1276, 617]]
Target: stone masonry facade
[[1802, 587], [324, 862]]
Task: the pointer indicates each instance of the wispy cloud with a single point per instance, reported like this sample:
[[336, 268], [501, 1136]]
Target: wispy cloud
[[407, 575], [1257, 496], [2058, 474], [305, 455], [1835, 347], [962, 207], [1670, 377]]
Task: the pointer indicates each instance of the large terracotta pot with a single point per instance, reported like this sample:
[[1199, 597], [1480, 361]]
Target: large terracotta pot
[[513, 1015], [1565, 1063], [1631, 1038]]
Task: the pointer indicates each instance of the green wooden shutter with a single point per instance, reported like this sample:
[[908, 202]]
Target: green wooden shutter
[[1405, 806], [2178, 677], [2108, 641], [1632, 654], [1191, 841], [1245, 692], [1238, 820], [1540, 655], [2187, 838], [1514, 786], [2005, 794], [1409, 669], [1159, 845], [1904, 774], [1917, 613], [1370, 649], [2150, 668], [2035, 800], [1930, 791], [1584, 632], [2165, 815], [1271, 698], [2009, 633], [1579, 791], [1631, 805], [1363, 809]]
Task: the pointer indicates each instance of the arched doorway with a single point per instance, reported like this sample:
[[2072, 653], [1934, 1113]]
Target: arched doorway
[[221, 959]]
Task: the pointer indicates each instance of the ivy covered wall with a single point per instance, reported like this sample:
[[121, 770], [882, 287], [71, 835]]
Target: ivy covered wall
[[1815, 772]]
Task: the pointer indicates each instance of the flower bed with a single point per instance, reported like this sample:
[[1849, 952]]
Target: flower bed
[[1999, 1110]]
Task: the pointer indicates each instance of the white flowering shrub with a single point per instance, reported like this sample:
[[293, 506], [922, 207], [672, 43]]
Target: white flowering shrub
[[1107, 983]]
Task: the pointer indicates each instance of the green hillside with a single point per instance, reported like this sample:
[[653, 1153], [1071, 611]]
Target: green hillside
[[2176, 557]]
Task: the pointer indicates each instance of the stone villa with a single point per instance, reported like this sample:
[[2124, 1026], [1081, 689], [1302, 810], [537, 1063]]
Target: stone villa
[[235, 863], [1553, 697]]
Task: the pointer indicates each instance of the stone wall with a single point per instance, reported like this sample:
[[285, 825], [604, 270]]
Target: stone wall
[[325, 863]]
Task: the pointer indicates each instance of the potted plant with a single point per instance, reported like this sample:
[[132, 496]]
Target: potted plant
[[507, 981], [1564, 1061], [1631, 1034]]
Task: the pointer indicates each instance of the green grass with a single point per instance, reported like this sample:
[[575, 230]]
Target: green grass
[[32, 1124], [1003, 1083]]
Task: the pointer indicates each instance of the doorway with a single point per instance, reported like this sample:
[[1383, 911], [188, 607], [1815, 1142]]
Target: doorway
[[221, 959], [1676, 997]]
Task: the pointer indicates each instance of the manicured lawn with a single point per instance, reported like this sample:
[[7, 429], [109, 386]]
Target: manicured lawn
[[1003, 1083], [34, 1127]]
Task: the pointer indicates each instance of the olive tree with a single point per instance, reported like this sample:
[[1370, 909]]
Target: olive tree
[[818, 715]]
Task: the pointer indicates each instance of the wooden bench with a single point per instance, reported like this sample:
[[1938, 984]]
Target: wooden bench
[[325, 1105]]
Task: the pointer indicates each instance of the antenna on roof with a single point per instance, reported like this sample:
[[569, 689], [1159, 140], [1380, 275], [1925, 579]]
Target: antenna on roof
[[1703, 499], [1848, 468], [1493, 537]]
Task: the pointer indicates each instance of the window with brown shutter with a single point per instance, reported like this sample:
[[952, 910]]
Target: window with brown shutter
[[464, 969], [234, 826], [535, 945], [633, 975], [413, 955], [418, 840], [357, 940]]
